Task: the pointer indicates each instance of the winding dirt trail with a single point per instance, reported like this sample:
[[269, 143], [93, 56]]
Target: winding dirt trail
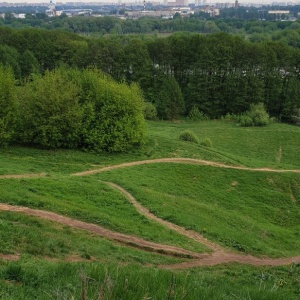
[[103, 232], [180, 160], [219, 255], [145, 212]]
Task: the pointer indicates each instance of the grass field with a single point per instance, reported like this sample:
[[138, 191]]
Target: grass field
[[246, 212]]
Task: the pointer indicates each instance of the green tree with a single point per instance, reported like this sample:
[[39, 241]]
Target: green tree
[[28, 64], [7, 105], [112, 112], [169, 100], [51, 114]]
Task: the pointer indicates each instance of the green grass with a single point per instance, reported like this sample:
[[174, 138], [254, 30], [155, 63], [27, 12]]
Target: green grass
[[39, 279], [32, 237], [253, 212], [248, 212], [254, 147], [92, 201]]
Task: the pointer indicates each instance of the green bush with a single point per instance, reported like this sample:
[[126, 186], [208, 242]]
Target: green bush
[[245, 121], [81, 109], [189, 136], [196, 114], [206, 142], [255, 116], [150, 111], [51, 113]]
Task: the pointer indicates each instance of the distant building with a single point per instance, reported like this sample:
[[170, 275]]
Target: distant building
[[51, 12], [178, 3], [279, 12], [19, 16]]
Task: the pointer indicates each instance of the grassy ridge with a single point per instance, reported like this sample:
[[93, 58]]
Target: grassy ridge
[[274, 146], [92, 201], [254, 146], [253, 212], [32, 237], [246, 211]]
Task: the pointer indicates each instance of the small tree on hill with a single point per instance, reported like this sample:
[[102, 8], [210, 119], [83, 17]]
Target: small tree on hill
[[169, 100]]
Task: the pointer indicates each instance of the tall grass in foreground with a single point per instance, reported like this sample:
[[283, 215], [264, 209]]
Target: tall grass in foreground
[[31, 279]]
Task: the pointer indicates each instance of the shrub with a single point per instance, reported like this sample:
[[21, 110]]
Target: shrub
[[245, 120], [81, 109], [206, 142], [51, 113], [189, 136], [196, 114], [150, 111], [255, 116], [230, 117]]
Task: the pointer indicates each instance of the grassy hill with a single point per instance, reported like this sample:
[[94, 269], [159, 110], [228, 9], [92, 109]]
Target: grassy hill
[[245, 212]]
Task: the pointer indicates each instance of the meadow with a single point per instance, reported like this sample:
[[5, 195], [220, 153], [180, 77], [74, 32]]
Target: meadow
[[246, 212]]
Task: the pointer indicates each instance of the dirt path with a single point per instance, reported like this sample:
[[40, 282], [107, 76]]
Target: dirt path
[[20, 176], [180, 160], [145, 212], [111, 235], [220, 255], [11, 257]]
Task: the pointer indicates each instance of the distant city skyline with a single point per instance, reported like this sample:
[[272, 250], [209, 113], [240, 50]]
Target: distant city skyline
[[141, 1]]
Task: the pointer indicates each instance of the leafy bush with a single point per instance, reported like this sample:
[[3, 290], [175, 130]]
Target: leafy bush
[[196, 114], [150, 111], [245, 120], [189, 136], [230, 117], [81, 109], [51, 113], [206, 142], [255, 116]]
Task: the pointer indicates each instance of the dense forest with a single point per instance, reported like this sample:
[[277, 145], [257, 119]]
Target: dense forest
[[253, 23], [217, 74]]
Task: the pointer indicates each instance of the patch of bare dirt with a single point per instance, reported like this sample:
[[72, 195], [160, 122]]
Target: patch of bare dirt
[[9, 256], [20, 176]]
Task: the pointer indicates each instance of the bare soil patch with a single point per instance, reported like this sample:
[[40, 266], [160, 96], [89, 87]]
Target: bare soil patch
[[20, 176]]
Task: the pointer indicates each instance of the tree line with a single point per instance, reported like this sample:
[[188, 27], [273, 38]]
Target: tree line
[[217, 73]]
